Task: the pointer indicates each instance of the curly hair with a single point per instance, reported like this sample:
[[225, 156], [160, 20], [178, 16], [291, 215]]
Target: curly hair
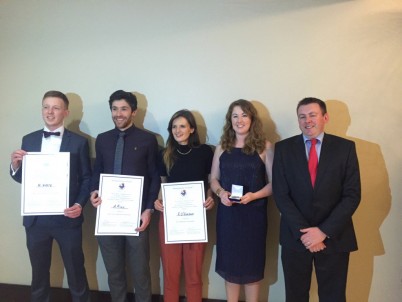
[[255, 140], [170, 155], [130, 98]]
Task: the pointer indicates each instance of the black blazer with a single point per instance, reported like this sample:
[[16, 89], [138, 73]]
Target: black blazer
[[330, 204], [80, 175]]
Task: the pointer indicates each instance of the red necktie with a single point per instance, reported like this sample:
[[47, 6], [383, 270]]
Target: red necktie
[[313, 161]]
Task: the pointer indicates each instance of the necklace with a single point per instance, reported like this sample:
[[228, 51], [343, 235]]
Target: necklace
[[184, 153]]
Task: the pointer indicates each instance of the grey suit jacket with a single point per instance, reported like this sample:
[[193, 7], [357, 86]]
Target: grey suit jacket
[[330, 204], [80, 175]]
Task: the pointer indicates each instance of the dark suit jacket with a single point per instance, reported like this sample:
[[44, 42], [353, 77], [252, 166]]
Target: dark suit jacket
[[80, 175], [139, 159], [330, 204]]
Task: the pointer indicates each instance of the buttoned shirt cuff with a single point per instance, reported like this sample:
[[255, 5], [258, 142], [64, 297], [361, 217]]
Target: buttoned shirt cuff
[[14, 171]]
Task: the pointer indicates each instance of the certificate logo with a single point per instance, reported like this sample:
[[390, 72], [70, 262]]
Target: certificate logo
[[183, 193], [121, 186]]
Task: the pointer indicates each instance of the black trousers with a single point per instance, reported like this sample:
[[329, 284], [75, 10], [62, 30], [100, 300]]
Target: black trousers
[[331, 272], [39, 244]]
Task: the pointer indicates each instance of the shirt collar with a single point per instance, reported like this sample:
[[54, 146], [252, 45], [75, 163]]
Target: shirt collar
[[60, 129], [127, 131], [319, 137]]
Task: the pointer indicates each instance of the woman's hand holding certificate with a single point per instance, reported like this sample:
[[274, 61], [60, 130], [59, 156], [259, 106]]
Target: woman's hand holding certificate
[[184, 212]]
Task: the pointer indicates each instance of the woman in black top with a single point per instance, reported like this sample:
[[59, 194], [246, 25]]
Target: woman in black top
[[184, 159]]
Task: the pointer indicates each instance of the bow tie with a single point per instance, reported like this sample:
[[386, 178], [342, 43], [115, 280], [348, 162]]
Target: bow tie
[[47, 134]]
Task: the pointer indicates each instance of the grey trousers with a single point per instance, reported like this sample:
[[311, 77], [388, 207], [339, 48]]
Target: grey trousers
[[119, 252]]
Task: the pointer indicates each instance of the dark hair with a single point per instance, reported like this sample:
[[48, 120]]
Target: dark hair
[[311, 100], [130, 98], [169, 155], [255, 140], [57, 94]]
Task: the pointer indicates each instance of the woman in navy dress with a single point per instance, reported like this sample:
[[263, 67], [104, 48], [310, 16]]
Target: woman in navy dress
[[243, 158]]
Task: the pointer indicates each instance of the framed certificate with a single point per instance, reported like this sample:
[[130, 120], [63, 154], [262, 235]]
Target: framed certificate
[[120, 210], [184, 213], [45, 183]]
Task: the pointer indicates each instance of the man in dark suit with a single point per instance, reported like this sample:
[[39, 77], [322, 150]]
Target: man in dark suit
[[316, 207], [65, 229], [139, 158]]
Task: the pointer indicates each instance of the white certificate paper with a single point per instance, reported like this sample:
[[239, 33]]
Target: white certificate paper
[[120, 211], [45, 183], [184, 213]]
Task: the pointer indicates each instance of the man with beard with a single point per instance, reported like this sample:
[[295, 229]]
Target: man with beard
[[139, 158]]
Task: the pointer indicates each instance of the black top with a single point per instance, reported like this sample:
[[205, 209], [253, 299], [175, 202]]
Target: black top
[[192, 165]]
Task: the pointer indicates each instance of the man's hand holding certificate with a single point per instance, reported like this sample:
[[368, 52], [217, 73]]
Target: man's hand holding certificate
[[45, 183], [120, 211], [184, 212]]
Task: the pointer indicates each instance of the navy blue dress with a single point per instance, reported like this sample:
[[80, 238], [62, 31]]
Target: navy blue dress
[[241, 229]]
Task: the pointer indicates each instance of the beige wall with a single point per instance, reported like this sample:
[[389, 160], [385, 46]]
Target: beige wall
[[202, 55]]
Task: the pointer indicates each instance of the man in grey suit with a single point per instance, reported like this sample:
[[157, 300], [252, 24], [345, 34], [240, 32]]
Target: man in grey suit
[[316, 185], [65, 229]]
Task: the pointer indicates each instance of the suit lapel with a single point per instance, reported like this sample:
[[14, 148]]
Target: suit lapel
[[325, 158], [299, 151], [37, 142], [65, 142]]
